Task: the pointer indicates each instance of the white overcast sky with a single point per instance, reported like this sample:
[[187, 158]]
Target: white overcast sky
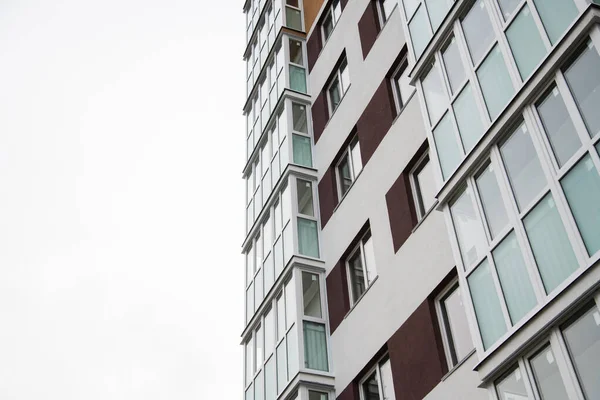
[[121, 199]]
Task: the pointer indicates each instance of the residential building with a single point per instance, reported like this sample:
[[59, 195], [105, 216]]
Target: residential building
[[452, 225]]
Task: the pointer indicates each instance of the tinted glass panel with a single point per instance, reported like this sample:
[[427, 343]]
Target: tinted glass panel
[[270, 380], [525, 42], [550, 244], [296, 52], [357, 276], [469, 232], [437, 11], [454, 65], [493, 205], [281, 366], [547, 376], [410, 6], [426, 186], [457, 325], [508, 7], [311, 294], [299, 118], [495, 82], [556, 16], [582, 189], [478, 30], [312, 395], [435, 94], [447, 146], [514, 279], [468, 120], [558, 126], [583, 77], [302, 151], [293, 18], [315, 346], [419, 32], [512, 387], [370, 388], [523, 167], [486, 304], [583, 340], [308, 240], [297, 79], [305, 197]]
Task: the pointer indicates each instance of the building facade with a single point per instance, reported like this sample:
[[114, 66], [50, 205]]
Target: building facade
[[423, 199]]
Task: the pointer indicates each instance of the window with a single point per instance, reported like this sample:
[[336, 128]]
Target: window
[[315, 346], [332, 15], [301, 143], [424, 186], [455, 327], [403, 90], [386, 7], [491, 199], [313, 395], [547, 376], [446, 144], [311, 295], [470, 126], [556, 16], [305, 197], [437, 11], [293, 15], [478, 31], [420, 32], [308, 240], [338, 86], [435, 94], [512, 387], [471, 239], [378, 385], [495, 82], [454, 65], [297, 70], [361, 267], [525, 42], [348, 167]]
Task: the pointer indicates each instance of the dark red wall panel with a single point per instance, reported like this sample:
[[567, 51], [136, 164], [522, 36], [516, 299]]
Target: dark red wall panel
[[376, 120], [328, 197], [320, 115], [417, 364], [368, 28], [313, 46], [343, 3], [401, 210], [337, 295]]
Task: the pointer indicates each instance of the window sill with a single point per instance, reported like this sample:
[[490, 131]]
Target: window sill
[[361, 296], [431, 210], [458, 365], [337, 108], [404, 107], [346, 194]]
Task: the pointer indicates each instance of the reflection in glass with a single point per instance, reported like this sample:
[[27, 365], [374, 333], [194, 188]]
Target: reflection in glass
[[495, 82], [469, 123], [437, 11], [454, 66], [308, 240], [302, 151], [469, 232], [550, 244], [523, 167], [435, 94], [311, 294], [514, 279], [315, 346], [297, 79], [299, 118], [508, 7], [512, 387], [558, 126], [556, 16], [582, 189], [456, 325], [446, 143], [493, 205], [387, 384], [583, 77], [305, 197], [583, 341], [547, 376], [486, 304], [478, 30], [370, 387], [426, 187], [357, 277], [281, 366], [525, 42], [420, 33]]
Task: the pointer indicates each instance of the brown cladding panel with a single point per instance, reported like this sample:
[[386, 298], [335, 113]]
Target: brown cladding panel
[[320, 115], [417, 365], [328, 197], [350, 393], [401, 210], [368, 28], [376, 120], [343, 3], [313, 47], [337, 295], [311, 10]]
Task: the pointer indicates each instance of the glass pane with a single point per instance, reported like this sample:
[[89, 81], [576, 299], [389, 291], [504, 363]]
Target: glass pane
[[457, 326], [280, 317], [454, 66], [299, 118], [526, 43], [281, 366], [334, 94], [419, 32], [435, 94], [312, 395], [302, 150], [249, 360], [582, 189], [308, 240], [345, 178], [328, 25], [269, 272], [292, 353], [469, 123], [290, 304], [486, 304], [250, 302], [405, 89], [508, 7], [478, 30], [556, 16], [469, 232], [305, 197], [493, 206], [278, 256], [514, 279], [370, 388], [523, 167], [583, 77], [547, 376], [356, 158], [345, 76], [512, 387], [269, 332], [495, 82], [293, 19], [550, 244], [286, 204], [296, 52], [583, 341], [311, 294], [387, 382], [369, 260], [410, 6], [426, 187], [388, 7], [449, 152], [258, 288], [357, 277], [270, 380], [297, 79], [558, 126], [598, 148], [315, 346], [259, 388], [249, 393], [437, 11]]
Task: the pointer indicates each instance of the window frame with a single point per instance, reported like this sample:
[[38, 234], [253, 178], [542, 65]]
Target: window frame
[[422, 213], [359, 248], [330, 13], [377, 370], [299, 8], [347, 153], [337, 78], [400, 70]]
